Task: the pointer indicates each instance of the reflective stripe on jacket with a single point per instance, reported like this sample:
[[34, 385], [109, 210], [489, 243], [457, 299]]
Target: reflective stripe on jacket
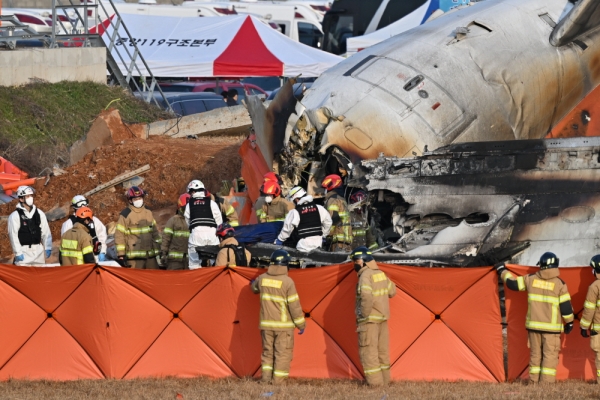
[[175, 238], [136, 233], [590, 319], [280, 307], [373, 292], [76, 246], [341, 230]]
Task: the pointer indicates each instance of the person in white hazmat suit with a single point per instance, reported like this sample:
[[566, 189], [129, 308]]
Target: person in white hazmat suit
[[96, 228], [309, 222], [202, 216], [28, 231]]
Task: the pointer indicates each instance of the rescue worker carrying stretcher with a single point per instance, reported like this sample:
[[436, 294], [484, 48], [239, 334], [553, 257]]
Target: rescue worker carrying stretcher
[[76, 245], [275, 207], [280, 313], [373, 292], [548, 299], [590, 319], [96, 228], [202, 216], [28, 230], [309, 222], [232, 254], [340, 235], [137, 238], [362, 232], [173, 250]]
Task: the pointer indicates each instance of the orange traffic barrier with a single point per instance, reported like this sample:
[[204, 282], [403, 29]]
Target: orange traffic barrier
[[576, 360], [97, 322], [6, 167], [14, 185]]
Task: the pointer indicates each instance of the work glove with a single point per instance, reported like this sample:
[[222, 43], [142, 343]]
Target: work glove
[[584, 333], [19, 258], [278, 242], [568, 327], [301, 331], [48, 253], [500, 267], [102, 257]]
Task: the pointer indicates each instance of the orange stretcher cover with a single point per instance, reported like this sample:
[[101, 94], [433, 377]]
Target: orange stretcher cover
[[576, 360], [87, 322]]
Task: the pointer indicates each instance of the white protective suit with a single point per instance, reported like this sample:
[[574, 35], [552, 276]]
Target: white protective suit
[[293, 219], [34, 255], [202, 235], [100, 232]]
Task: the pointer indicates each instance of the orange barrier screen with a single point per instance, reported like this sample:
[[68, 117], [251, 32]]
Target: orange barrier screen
[[100, 322], [576, 360]]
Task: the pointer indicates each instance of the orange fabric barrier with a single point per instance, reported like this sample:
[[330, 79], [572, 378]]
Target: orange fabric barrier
[[576, 360], [87, 322], [254, 167]]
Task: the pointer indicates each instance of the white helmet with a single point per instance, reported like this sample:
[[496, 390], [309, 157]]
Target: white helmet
[[296, 193], [23, 191], [195, 185], [79, 201]]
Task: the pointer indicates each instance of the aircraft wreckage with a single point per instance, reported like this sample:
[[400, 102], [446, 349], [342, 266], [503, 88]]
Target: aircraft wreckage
[[482, 85]]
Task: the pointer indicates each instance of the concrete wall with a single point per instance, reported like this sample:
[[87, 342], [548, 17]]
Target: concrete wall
[[18, 67]]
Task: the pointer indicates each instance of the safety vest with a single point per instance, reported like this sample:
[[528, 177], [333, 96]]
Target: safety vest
[[30, 232], [201, 213], [310, 221]]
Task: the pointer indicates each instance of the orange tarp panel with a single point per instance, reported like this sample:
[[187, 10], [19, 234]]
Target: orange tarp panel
[[576, 360], [254, 168], [120, 323], [582, 120]]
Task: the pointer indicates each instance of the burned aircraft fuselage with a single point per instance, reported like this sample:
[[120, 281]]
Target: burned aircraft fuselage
[[479, 203]]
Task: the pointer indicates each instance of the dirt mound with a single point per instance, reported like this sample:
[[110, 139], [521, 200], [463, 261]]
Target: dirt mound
[[173, 163]]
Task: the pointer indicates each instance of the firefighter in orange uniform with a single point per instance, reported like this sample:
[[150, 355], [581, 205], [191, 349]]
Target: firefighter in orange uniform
[[373, 292], [280, 313], [548, 299], [590, 319]]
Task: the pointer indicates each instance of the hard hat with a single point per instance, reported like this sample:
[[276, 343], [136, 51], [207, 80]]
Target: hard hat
[[225, 230], [272, 176], [23, 191], [280, 257], [84, 212], [331, 182], [296, 193], [195, 185], [135, 191], [548, 260], [358, 197], [183, 200], [362, 252], [271, 187], [79, 201], [595, 263]]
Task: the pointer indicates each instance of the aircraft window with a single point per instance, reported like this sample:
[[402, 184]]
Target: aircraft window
[[397, 9]]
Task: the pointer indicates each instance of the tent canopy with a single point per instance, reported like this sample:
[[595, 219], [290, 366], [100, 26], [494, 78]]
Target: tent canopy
[[240, 46]]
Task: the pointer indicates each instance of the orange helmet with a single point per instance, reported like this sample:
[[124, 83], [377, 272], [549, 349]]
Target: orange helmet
[[272, 188], [183, 200], [84, 212], [272, 176], [331, 182]]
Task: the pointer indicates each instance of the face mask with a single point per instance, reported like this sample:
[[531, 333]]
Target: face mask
[[198, 195], [29, 201], [357, 267], [269, 199], [138, 203]]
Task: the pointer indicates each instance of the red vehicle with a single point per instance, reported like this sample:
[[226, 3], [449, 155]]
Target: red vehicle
[[243, 89]]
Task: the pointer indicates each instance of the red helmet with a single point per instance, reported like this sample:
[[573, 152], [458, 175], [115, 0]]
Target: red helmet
[[183, 200], [331, 182], [135, 191], [272, 176], [225, 230], [358, 197], [84, 212], [272, 188]]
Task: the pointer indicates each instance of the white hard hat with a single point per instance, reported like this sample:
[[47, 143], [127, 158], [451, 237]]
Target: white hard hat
[[23, 191], [195, 185], [296, 192], [79, 201]]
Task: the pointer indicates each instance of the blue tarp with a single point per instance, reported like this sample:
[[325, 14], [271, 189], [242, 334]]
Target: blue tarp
[[259, 233]]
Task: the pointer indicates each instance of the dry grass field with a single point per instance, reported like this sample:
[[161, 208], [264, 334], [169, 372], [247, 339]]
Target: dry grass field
[[202, 388]]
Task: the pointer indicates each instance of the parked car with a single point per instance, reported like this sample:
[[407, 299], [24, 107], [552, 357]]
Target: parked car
[[299, 89], [188, 103], [211, 86]]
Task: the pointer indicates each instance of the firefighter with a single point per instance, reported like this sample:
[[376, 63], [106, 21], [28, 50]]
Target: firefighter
[[76, 244], [137, 238], [275, 207], [309, 222], [590, 319], [260, 202], [96, 228], [362, 232], [548, 297], [28, 230], [280, 313], [173, 250], [202, 216], [373, 292], [228, 213], [232, 254], [341, 234]]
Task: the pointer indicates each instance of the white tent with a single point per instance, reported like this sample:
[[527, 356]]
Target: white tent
[[236, 46]]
